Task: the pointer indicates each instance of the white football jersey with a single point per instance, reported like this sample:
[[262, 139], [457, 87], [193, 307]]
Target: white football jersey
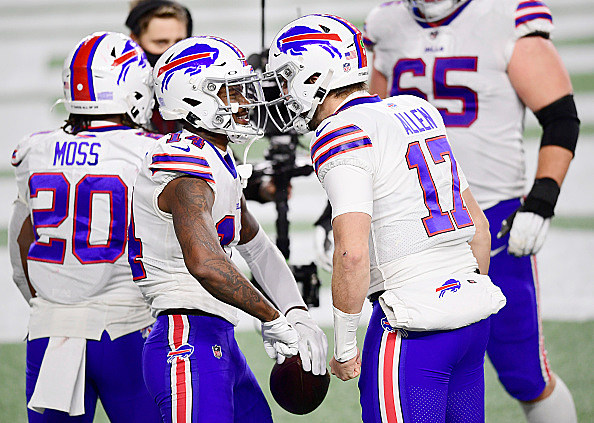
[[78, 189], [460, 67], [420, 225], [156, 257]]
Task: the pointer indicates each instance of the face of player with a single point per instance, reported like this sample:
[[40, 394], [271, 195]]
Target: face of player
[[160, 34], [235, 96]]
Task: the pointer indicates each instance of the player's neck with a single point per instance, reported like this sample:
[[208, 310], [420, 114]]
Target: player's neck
[[328, 107]]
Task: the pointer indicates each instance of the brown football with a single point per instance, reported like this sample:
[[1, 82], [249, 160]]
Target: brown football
[[294, 389]]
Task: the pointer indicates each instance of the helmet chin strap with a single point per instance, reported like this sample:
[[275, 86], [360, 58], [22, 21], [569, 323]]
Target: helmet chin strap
[[301, 123]]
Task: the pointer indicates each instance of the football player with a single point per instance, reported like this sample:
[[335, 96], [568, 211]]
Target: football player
[[156, 25], [69, 230], [481, 63], [408, 233], [188, 212]]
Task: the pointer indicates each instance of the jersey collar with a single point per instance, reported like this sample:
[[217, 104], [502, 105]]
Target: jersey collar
[[445, 21], [227, 160], [360, 97]]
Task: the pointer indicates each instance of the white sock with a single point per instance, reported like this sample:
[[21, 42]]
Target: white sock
[[556, 408]]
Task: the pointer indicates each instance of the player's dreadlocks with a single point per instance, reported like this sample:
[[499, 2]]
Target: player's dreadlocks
[[78, 123]]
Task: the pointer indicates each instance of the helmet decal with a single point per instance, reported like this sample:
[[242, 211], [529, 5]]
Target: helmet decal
[[358, 40], [107, 73], [233, 47], [195, 58], [129, 56], [81, 81], [296, 39]]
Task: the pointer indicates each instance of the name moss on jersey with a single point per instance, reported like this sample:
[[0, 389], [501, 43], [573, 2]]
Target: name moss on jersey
[[78, 191], [155, 254], [460, 67]]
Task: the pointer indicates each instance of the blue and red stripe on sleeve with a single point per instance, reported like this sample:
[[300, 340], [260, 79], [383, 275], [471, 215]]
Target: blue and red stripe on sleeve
[[188, 164], [531, 10], [338, 141]]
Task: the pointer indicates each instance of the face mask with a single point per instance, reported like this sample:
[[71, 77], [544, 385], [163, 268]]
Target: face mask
[[152, 58]]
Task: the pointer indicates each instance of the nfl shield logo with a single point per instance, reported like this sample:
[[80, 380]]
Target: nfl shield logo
[[216, 350], [346, 67]]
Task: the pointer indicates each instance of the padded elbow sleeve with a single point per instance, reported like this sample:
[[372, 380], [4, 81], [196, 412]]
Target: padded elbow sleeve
[[560, 123]]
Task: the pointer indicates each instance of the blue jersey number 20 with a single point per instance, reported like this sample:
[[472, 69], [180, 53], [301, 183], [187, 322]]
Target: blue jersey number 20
[[86, 252]]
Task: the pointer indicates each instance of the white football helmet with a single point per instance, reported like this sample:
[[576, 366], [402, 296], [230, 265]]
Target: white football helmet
[[433, 10], [325, 47], [107, 73], [192, 76]]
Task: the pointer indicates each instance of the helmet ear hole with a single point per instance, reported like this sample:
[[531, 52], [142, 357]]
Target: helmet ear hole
[[191, 101], [312, 78], [137, 95]]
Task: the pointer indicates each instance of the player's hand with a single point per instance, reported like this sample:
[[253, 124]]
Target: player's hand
[[280, 339], [348, 370], [528, 225], [324, 247], [313, 345], [527, 232]]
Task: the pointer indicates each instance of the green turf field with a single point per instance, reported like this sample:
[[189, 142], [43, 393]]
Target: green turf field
[[569, 344]]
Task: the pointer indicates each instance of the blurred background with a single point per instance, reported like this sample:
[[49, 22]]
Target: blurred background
[[36, 35]]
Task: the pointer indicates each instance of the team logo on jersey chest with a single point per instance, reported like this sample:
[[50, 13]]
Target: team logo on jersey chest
[[451, 285], [216, 351], [181, 352]]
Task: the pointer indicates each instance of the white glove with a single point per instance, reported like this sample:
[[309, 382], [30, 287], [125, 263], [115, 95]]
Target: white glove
[[313, 345], [528, 225], [527, 234], [324, 247], [280, 339]]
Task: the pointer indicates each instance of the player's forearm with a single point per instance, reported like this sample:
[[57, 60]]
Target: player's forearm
[[350, 275], [481, 242], [553, 162], [350, 282], [221, 278], [481, 249], [350, 279], [20, 238]]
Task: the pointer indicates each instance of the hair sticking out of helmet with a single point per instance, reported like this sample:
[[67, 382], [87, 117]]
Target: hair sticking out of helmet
[[433, 10], [107, 74], [207, 82], [307, 59]]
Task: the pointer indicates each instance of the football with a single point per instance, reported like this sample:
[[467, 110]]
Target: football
[[294, 389]]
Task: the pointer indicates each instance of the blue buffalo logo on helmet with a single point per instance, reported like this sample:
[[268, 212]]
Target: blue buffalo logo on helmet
[[181, 352], [450, 285], [130, 54], [193, 59], [296, 39]]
